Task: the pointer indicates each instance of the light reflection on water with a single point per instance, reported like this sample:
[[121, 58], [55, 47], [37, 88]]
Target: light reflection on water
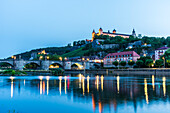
[[77, 93]]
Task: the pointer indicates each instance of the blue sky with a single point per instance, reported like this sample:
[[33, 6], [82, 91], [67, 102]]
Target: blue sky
[[31, 24]]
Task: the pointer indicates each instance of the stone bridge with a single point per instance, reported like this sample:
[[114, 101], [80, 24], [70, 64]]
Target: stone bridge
[[45, 64]]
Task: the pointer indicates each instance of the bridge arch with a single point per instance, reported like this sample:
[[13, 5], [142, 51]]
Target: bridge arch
[[55, 65], [6, 65], [77, 66], [31, 65]]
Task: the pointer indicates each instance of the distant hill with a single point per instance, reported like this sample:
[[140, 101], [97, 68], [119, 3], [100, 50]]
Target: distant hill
[[49, 50]]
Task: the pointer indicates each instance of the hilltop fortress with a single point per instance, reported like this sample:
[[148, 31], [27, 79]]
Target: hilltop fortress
[[112, 34]]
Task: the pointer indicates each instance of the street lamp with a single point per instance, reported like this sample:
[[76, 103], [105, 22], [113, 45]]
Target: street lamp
[[60, 58], [13, 57], [48, 57], [118, 63], [41, 57], [164, 61]]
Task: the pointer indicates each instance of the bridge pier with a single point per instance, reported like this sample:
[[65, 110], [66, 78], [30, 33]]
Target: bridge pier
[[19, 65], [67, 65], [45, 65]]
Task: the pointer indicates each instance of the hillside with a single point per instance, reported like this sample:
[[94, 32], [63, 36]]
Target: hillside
[[49, 50], [78, 52]]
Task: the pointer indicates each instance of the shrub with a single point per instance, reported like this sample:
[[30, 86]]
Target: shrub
[[123, 63]]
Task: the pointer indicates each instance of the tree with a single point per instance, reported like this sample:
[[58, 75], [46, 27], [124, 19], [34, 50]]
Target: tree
[[139, 63], [123, 63], [159, 62], [116, 63], [75, 43], [149, 62], [69, 45], [79, 43], [166, 57], [144, 59], [83, 42], [131, 62]]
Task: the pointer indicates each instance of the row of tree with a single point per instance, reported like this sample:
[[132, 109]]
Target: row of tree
[[144, 62], [79, 43]]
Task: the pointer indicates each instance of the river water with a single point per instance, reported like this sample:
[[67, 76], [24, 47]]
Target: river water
[[90, 94]]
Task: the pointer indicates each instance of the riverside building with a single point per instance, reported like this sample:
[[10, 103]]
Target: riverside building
[[121, 56]]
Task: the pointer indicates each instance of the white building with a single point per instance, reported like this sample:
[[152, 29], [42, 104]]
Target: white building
[[159, 52]]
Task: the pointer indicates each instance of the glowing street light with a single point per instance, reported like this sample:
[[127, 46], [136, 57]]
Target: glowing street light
[[48, 57], [60, 58], [164, 61], [118, 63], [41, 57]]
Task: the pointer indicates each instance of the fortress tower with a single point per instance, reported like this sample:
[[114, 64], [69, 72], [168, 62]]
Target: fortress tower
[[114, 31], [134, 33], [93, 35], [100, 31]]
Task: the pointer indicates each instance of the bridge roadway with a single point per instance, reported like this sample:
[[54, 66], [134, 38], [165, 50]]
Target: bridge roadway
[[45, 64]]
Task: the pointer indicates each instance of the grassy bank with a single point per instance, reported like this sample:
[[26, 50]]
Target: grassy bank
[[12, 72]]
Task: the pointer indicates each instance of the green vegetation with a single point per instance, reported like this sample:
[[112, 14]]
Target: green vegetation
[[166, 58], [131, 63], [159, 63], [79, 43], [146, 62], [139, 63], [49, 50], [13, 72], [149, 62], [123, 63], [31, 66], [116, 63], [78, 52], [57, 71]]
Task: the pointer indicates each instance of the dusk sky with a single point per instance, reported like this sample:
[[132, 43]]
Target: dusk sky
[[31, 24]]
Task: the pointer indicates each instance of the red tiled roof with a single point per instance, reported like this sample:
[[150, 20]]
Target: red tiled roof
[[133, 53]]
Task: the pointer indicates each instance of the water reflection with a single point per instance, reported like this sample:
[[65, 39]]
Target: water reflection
[[103, 93], [146, 90], [12, 87], [164, 85]]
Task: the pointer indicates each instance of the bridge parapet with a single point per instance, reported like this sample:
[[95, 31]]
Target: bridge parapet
[[19, 64]]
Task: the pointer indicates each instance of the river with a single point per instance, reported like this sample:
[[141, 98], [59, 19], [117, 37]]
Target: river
[[89, 94]]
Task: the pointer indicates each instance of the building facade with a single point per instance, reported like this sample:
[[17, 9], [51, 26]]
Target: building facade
[[159, 52], [121, 56], [113, 34]]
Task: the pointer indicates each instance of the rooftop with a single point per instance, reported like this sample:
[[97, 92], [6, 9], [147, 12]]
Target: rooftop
[[133, 53], [162, 48], [117, 34]]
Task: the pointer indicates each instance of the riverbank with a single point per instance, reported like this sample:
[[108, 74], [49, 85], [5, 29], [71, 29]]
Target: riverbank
[[141, 71]]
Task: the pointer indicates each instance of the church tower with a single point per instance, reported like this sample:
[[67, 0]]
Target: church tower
[[93, 35], [134, 33], [100, 31], [114, 31]]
